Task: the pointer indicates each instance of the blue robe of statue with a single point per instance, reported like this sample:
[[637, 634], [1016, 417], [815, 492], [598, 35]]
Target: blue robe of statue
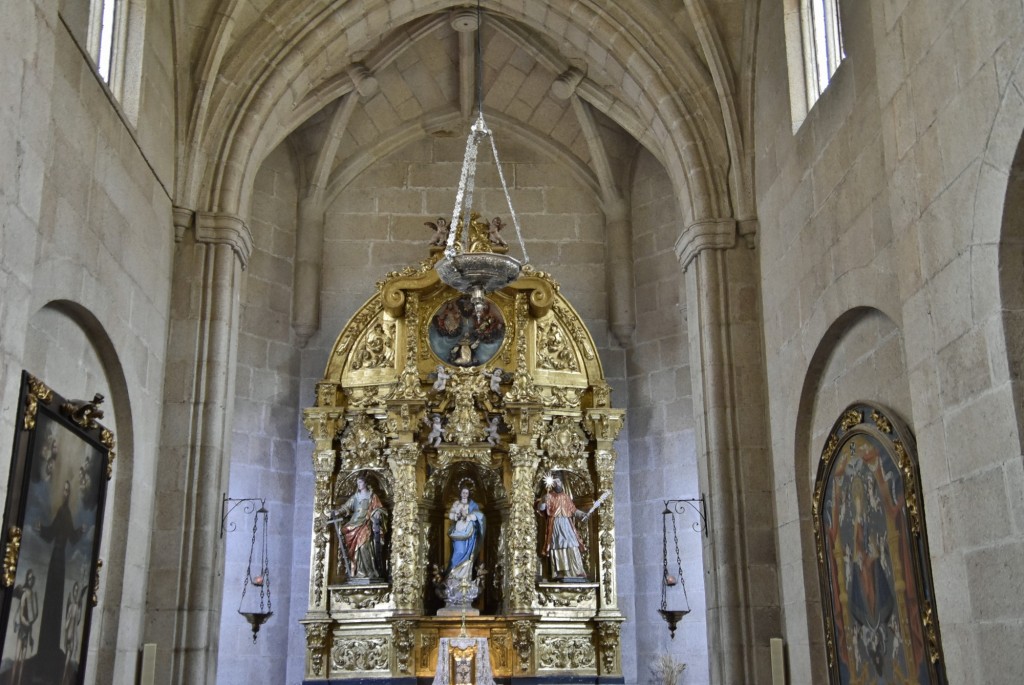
[[467, 534]]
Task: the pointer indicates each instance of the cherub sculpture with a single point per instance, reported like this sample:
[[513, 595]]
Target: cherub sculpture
[[492, 431], [436, 433], [494, 376], [442, 378], [440, 230], [494, 230]]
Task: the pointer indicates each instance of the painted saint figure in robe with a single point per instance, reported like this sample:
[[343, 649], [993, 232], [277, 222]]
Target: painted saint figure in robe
[[362, 534], [562, 543], [466, 533]]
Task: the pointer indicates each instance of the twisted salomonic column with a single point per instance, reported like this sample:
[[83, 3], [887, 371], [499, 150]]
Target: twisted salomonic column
[[722, 285], [185, 570]]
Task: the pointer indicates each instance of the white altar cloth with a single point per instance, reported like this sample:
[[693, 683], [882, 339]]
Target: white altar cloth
[[484, 676]]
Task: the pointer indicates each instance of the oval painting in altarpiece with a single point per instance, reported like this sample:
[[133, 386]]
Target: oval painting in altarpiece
[[463, 335]]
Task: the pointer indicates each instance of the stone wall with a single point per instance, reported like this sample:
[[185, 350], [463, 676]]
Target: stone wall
[[264, 460], [889, 199], [663, 456], [85, 255]]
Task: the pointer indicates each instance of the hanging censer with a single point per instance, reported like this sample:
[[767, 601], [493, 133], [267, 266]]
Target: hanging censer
[[671, 616], [257, 612]]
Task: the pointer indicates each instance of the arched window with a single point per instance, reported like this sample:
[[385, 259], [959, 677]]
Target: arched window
[[814, 49], [823, 41], [109, 32]]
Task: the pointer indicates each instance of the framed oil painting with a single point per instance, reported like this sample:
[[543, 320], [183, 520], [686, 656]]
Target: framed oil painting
[[878, 601], [51, 536]]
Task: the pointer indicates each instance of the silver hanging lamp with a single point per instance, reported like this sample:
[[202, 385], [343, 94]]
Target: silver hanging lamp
[[471, 264]]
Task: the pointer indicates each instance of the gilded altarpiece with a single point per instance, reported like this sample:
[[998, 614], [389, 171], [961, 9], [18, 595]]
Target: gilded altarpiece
[[437, 416]]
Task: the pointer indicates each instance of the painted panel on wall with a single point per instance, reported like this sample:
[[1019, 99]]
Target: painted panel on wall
[[880, 619]]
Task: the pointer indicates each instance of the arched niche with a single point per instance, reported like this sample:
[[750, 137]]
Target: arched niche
[[69, 349], [859, 355]]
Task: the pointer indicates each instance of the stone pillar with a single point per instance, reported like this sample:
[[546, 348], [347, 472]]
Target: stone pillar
[[727, 363], [621, 286], [309, 245], [185, 586]]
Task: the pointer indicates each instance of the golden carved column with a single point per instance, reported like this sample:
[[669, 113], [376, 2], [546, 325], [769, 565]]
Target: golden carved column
[[406, 535], [604, 425], [522, 543], [323, 424]]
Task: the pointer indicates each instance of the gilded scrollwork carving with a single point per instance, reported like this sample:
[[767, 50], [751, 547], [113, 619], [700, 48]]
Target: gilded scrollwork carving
[[408, 386], [362, 444], [11, 554], [357, 324], [522, 543], [602, 393], [316, 643], [466, 424], [360, 654], [37, 392], [850, 419], [909, 485], [365, 397], [565, 653], [107, 440], [326, 394], [360, 597], [428, 643], [403, 639], [881, 421], [608, 642], [567, 596], [576, 330], [321, 536], [406, 573], [377, 348], [522, 641], [604, 425], [523, 389], [563, 439], [554, 351], [562, 397]]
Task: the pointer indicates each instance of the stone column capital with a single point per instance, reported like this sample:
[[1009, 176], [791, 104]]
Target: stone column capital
[[705, 234], [225, 229]]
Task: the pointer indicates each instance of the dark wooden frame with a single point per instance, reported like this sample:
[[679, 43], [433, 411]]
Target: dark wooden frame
[[53, 518], [870, 535]]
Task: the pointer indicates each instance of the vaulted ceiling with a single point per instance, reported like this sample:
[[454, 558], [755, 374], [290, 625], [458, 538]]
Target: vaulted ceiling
[[349, 81]]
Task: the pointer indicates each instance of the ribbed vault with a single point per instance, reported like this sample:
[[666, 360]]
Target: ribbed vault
[[261, 71]]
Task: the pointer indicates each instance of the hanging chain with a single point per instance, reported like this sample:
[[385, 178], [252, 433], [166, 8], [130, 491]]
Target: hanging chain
[[248, 566], [467, 179], [679, 562], [504, 187], [664, 559]]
